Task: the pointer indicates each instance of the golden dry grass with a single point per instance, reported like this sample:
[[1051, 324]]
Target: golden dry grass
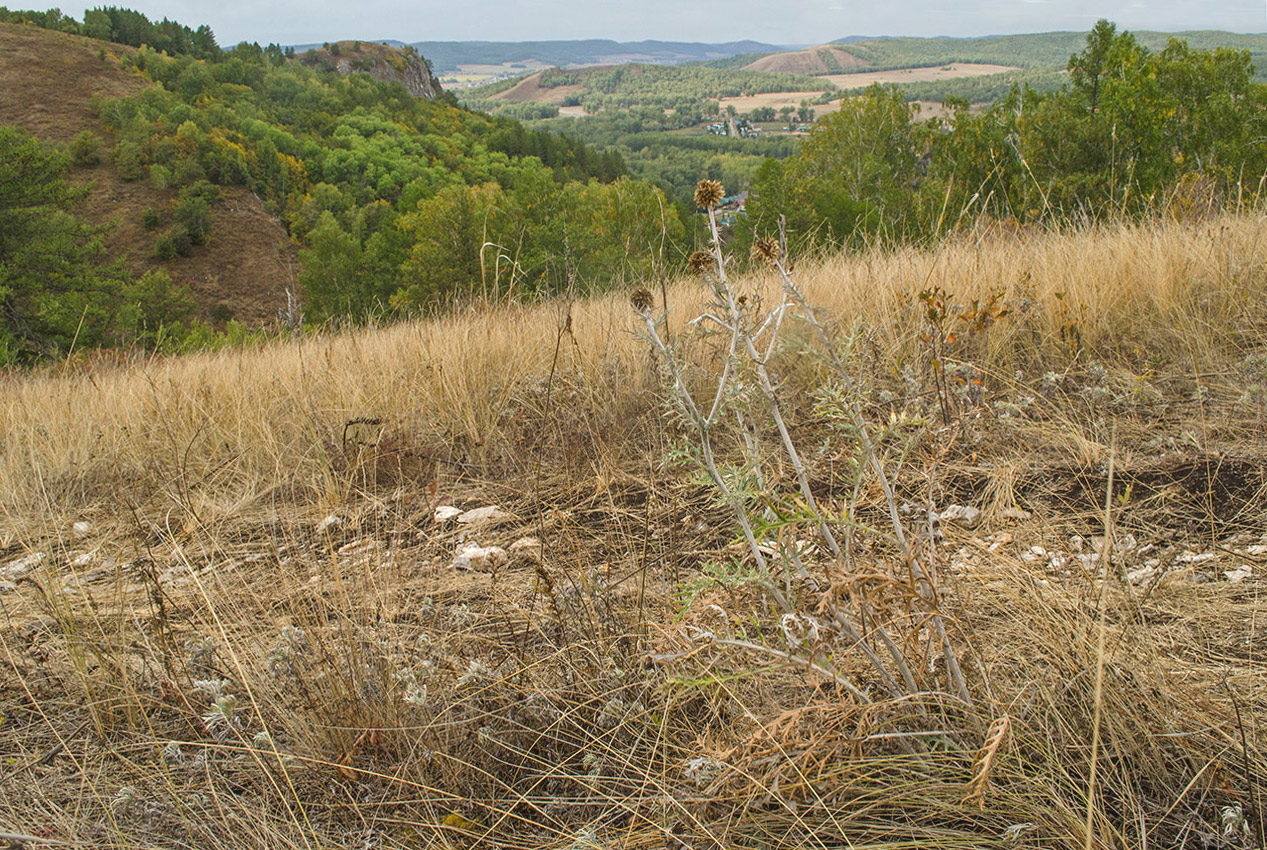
[[372, 696]]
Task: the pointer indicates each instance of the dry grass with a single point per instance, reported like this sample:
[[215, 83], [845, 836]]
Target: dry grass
[[371, 696]]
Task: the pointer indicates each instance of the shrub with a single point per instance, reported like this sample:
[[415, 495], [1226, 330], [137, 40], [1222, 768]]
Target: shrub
[[86, 149], [149, 219], [128, 160]]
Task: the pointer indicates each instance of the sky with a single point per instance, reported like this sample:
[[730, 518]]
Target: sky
[[777, 22]]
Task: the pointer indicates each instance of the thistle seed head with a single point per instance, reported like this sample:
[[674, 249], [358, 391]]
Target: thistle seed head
[[641, 299], [700, 262], [708, 194], [766, 251]]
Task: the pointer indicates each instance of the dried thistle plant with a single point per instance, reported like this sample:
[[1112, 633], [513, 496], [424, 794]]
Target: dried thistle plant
[[641, 299], [709, 193], [700, 262], [765, 251]]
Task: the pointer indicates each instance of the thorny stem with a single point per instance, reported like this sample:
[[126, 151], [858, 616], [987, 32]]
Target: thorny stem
[[743, 338], [802, 477], [927, 590]]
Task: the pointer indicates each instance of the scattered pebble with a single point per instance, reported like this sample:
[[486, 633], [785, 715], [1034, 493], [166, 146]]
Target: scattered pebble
[[489, 513], [528, 548], [482, 559], [81, 529], [1239, 574], [1017, 514], [330, 524], [444, 513], [7, 587], [1257, 550], [21, 566], [1142, 575], [963, 516]]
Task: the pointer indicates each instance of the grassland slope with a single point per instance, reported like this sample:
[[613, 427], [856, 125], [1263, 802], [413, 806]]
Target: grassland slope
[[231, 614], [49, 83]]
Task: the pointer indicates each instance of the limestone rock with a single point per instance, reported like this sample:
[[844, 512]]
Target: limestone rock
[[488, 513], [963, 516], [471, 556], [446, 513]]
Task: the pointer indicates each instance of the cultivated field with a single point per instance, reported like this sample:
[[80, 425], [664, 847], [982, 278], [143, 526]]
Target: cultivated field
[[232, 614], [863, 79]]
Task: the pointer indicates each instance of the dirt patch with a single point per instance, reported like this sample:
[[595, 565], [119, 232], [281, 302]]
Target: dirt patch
[[529, 89], [777, 100], [812, 60]]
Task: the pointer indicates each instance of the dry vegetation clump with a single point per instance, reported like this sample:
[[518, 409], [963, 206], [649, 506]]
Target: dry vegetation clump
[[233, 616]]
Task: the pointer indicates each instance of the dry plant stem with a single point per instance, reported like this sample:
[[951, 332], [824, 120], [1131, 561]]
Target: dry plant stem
[[1099, 658], [722, 288], [927, 590]]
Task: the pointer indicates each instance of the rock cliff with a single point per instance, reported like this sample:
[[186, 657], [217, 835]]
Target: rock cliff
[[390, 64]]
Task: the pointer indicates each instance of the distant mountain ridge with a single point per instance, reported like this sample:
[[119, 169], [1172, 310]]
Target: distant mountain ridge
[[448, 55]]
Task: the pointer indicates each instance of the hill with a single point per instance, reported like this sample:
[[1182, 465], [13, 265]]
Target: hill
[[470, 580], [449, 55], [1038, 50], [389, 64], [823, 59], [52, 84]]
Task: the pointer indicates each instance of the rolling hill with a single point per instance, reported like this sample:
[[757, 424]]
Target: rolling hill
[[49, 82], [449, 55]]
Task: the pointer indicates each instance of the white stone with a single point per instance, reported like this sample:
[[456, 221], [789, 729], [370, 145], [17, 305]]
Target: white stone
[[84, 560], [21, 566], [81, 529], [7, 587], [1018, 514], [1257, 550], [1239, 574], [483, 559], [963, 516], [526, 547], [444, 513], [1194, 558], [1142, 575], [489, 513], [330, 524]]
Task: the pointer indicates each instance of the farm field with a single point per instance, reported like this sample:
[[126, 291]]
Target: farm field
[[955, 70]]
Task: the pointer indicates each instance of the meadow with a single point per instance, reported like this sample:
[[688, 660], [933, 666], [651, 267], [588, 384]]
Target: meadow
[[233, 614]]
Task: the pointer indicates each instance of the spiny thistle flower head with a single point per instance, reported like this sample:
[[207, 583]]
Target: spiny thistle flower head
[[700, 262], [766, 251], [709, 193], [641, 299]]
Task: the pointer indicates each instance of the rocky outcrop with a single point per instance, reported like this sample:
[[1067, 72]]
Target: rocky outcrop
[[390, 64]]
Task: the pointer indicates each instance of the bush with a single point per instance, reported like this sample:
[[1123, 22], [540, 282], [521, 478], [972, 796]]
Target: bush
[[86, 149], [128, 160], [149, 219], [160, 176], [176, 242]]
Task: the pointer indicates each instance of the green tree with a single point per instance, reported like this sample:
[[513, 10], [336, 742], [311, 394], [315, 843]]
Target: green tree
[[55, 286]]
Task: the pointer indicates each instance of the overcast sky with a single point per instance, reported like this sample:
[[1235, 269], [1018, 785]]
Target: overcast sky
[[776, 22]]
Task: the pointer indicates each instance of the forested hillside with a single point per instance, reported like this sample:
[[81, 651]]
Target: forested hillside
[[1134, 132], [397, 204]]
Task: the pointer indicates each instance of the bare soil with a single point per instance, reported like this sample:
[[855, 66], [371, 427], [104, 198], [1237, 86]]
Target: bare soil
[[917, 75]]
